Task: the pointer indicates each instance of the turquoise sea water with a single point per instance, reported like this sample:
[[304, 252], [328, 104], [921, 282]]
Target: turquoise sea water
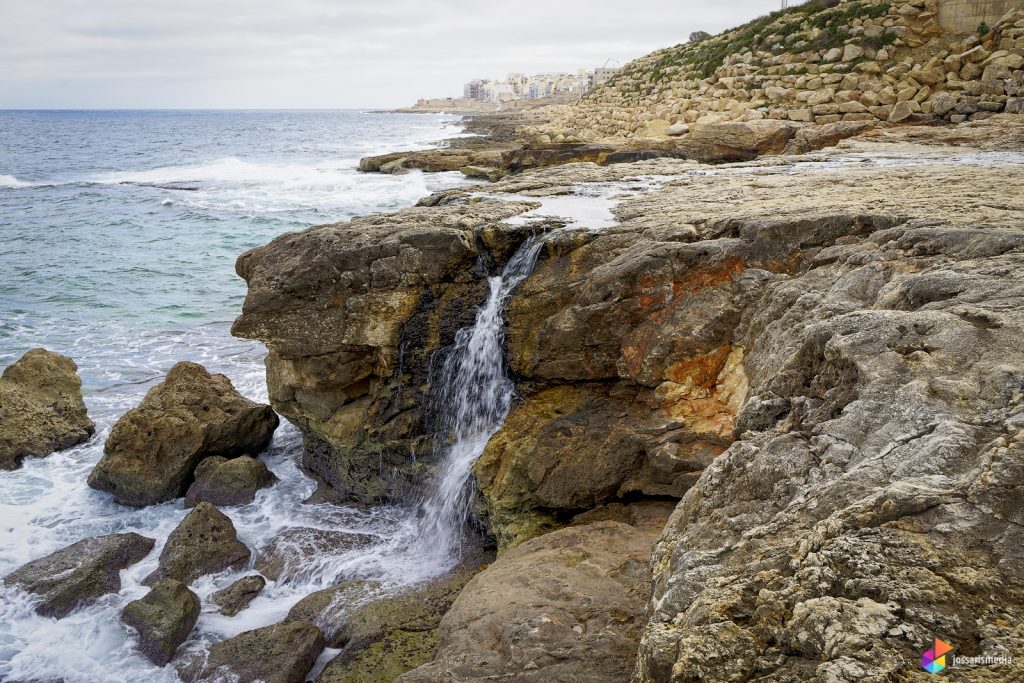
[[118, 236]]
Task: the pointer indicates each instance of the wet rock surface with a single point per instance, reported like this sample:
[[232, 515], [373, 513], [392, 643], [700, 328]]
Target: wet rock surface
[[162, 619], [41, 407], [204, 543], [154, 448], [239, 594], [223, 482], [566, 606], [330, 609], [281, 653], [384, 638], [80, 573]]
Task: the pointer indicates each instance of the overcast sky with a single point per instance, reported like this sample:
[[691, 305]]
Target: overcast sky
[[319, 53]]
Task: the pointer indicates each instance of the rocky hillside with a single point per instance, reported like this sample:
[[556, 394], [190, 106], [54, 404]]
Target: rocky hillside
[[822, 61], [820, 360]]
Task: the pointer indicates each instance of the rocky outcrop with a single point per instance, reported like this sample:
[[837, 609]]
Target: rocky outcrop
[[204, 543], [567, 606], [239, 594], [282, 653], [153, 449], [223, 482], [431, 160], [80, 573], [162, 619], [41, 407], [382, 639], [352, 315]]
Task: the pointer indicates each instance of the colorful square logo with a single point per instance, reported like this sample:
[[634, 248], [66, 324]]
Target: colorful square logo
[[934, 660]]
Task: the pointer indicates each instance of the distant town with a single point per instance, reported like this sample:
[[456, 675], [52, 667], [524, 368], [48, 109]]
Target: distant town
[[518, 89]]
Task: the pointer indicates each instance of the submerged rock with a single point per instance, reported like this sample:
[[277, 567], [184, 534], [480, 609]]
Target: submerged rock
[[223, 482], [41, 407], [162, 619], [204, 543], [282, 653], [566, 606], [384, 638], [330, 609], [80, 573], [153, 449], [293, 552], [238, 595]]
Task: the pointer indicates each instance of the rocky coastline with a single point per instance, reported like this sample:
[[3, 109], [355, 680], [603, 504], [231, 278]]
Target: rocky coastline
[[765, 402]]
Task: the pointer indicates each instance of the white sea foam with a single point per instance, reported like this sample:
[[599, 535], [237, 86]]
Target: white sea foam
[[11, 181]]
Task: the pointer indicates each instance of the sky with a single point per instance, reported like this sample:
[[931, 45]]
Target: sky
[[319, 53]]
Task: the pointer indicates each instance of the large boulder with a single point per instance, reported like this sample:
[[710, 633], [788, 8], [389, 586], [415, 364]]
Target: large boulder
[[282, 653], [154, 448], [204, 543], [239, 594], [382, 639], [80, 573], [41, 407], [162, 619], [223, 482], [566, 606]]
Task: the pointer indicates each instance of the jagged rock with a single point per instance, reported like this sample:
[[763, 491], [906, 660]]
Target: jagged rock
[[80, 573], [385, 638], [239, 594], [204, 543], [430, 160], [566, 606], [41, 408], [293, 552], [162, 619], [153, 449], [352, 315], [224, 482], [282, 653], [330, 609], [816, 137], [484, 172]]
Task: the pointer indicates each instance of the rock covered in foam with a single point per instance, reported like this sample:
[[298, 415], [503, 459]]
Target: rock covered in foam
[[80, 573]]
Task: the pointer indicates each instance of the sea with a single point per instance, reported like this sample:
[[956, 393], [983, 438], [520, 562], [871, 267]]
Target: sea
[[119, 232]]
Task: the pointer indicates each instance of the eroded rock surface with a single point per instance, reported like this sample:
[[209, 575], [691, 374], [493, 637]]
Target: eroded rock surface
[[281, 653], [41, 407], [154, 448], [294, 551], [80, 573], [204, 543], [224, 482], [162, 619], [239, 594]]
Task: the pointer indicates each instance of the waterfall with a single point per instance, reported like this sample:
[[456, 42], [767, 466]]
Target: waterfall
[[474, 396]]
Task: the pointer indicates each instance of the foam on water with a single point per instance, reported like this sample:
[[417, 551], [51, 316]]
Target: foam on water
[[129, 279], [11, 181]]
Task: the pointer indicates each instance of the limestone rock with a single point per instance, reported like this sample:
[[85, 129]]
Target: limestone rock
[[677, 129], [162, 619], [566, 606], [282, 653], [239, 594], [204, 543], [153, 449], [222, 482], [737, 141], [41, 408], [385, 638], [80, 573]]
